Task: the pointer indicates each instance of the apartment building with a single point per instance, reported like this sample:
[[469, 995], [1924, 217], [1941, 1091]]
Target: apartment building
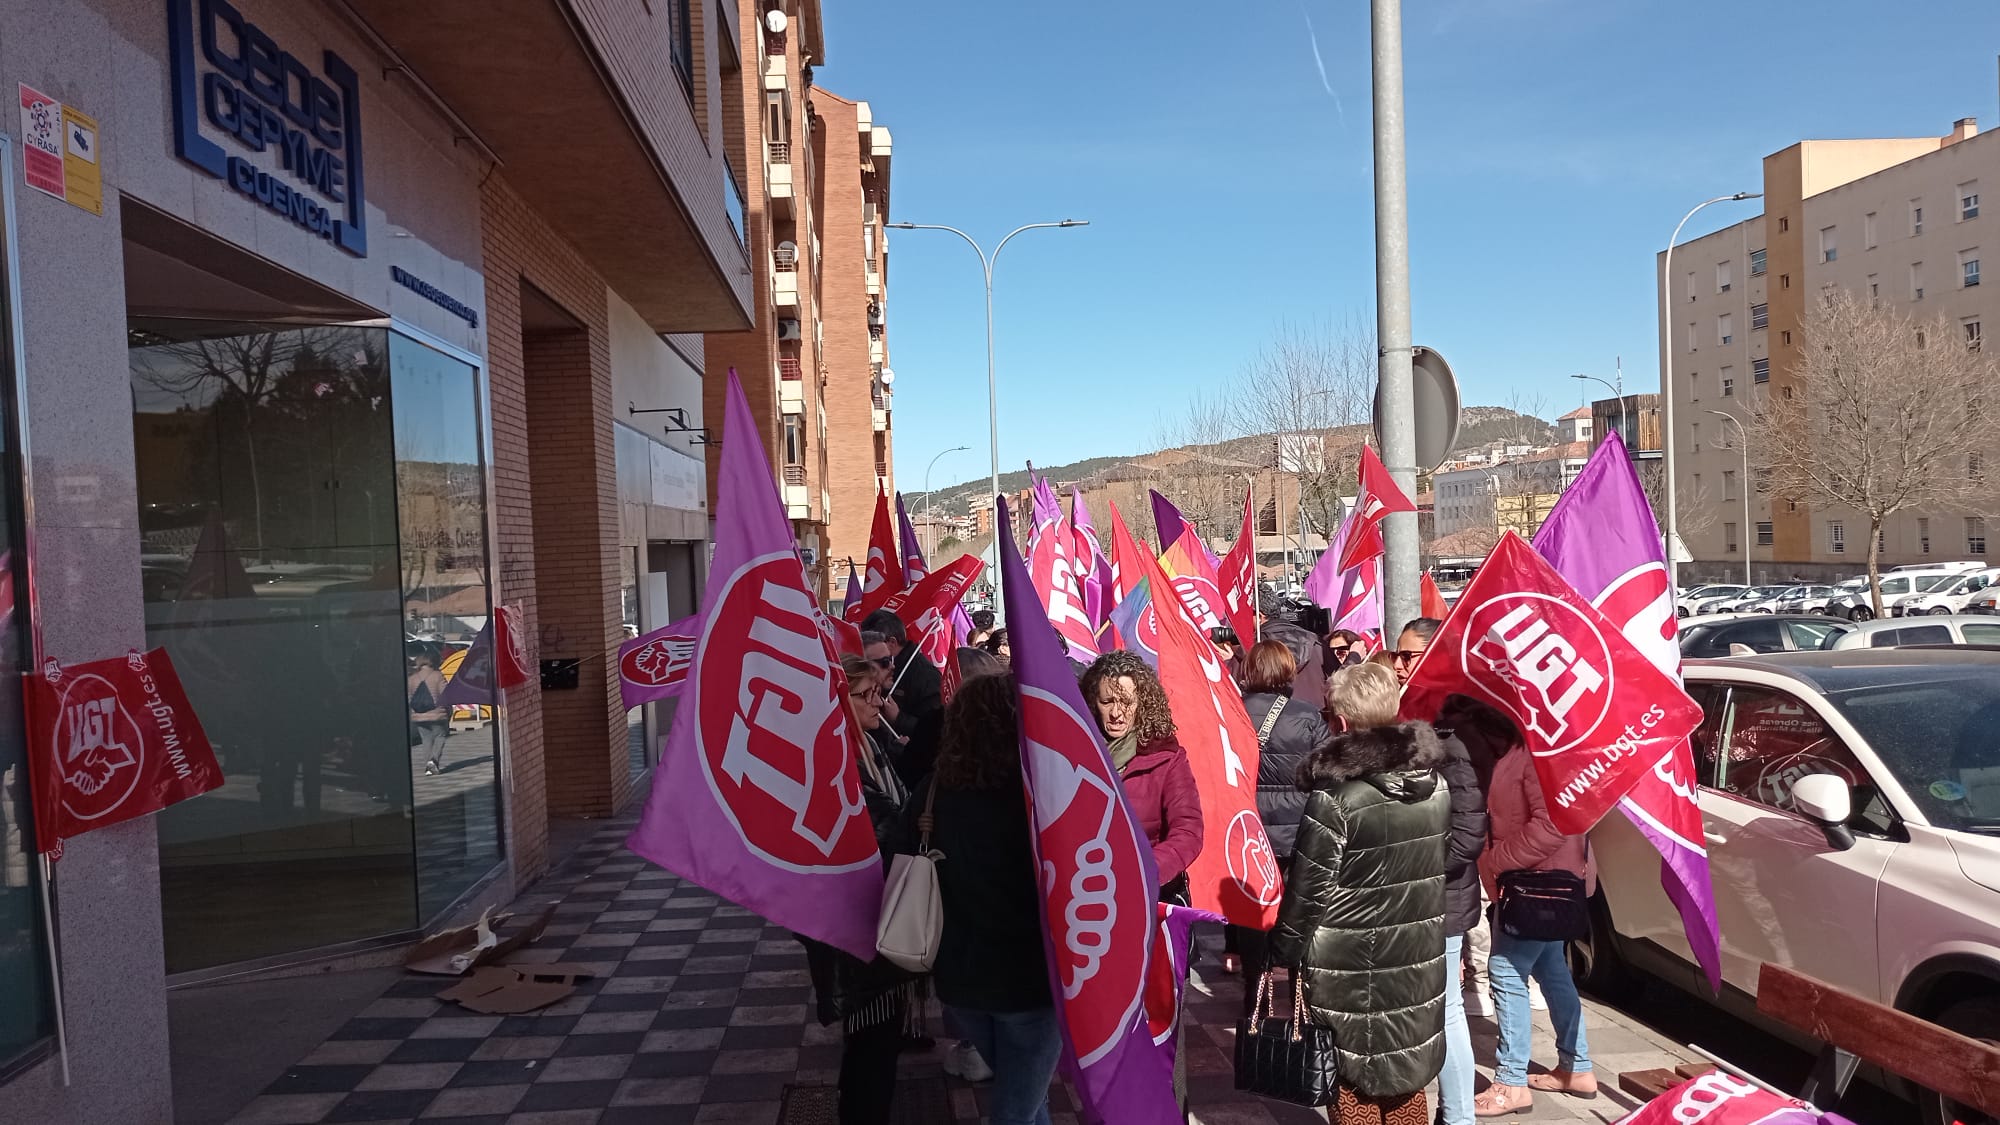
[[814, 365], [1897, 220], [368, 323], [1507, 492]]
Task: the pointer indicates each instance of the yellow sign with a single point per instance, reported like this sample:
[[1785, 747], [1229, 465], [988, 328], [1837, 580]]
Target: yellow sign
[[83, 177]]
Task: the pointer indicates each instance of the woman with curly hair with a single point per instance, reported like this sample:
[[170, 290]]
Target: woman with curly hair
[[1131, 710], [990, 972]]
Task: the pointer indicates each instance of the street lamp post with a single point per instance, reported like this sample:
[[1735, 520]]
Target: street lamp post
[[1617, 389], [1667, 378], [992, 387], [1744, 436], [928, 525]]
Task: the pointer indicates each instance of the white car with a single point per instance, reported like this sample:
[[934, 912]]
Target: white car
[[1851, 812], [1890, 633], [1952, 597]]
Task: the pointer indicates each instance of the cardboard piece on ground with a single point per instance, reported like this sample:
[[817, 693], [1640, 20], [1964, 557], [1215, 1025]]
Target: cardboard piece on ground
[[509, 990], [453, 953]]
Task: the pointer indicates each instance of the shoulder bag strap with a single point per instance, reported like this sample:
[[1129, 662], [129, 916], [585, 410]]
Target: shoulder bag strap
[[1270, 721], [930, 803]]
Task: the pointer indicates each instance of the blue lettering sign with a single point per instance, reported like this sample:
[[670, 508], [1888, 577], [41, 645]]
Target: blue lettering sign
[[269, 102], [434, 295]]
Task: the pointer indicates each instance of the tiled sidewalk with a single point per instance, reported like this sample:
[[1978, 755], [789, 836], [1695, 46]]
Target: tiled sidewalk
[[701, 1013]]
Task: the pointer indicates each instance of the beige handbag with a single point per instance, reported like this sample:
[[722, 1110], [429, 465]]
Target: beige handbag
[[912, 910]]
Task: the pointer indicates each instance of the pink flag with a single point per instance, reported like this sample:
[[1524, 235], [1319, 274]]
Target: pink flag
[[656, 665], [758, 795], [1093, 568], [1099, 885], [914, 566], [1053, 572], [1047, 510]]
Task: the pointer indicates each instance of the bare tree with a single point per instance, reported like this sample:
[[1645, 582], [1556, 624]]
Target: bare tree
[[1886, 417], [1695, 502], [1309, 381]]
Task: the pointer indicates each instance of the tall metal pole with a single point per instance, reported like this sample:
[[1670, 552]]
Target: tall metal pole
[[1401, 599], [928, 525], [992, 382], [1624, 421], [1743, 436], [1673, 544], [1250, 501]]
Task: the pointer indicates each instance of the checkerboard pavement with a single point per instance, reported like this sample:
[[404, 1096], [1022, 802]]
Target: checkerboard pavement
[[701, 1012]]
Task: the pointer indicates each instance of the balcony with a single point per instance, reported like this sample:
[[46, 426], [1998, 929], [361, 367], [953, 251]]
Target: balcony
[[791, 396], [776, 76], [785, 290], [774, 43], [878, 352], [778, 178], [874, 284], [798, 502], [790, 370], [881, 420]]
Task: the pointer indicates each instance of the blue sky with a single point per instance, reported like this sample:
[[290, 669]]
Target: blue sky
[[1553, 144]]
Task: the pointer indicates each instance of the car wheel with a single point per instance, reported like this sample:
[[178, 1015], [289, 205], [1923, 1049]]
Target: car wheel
[[1594, 960], [1941, 611], [1680, 611], [1861, 613], [1977, 1017]]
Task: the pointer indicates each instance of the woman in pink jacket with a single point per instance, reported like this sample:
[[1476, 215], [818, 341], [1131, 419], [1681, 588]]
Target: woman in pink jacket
[[1524, 838]]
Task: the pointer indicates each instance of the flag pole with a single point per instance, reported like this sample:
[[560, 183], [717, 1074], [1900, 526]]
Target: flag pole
[[908, 664], [1256, 614], [55, 965]]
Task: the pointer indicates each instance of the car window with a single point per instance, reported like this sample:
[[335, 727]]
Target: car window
[[1770, 740], [1940, 738], [1935, 582], [1895, 585], [1707, 737], [1981, 634], [1812, 636], [1761, 636], [1912, 635]]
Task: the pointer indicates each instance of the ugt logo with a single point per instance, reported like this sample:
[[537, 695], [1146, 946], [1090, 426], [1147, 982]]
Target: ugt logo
[[772, 728], [100, 747], [1543, 660]]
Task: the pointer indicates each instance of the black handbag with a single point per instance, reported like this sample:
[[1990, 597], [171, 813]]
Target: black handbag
[[1290, 1060], [1543, 906]]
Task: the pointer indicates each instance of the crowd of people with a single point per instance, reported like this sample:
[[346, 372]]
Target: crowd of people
[[1397, 840]]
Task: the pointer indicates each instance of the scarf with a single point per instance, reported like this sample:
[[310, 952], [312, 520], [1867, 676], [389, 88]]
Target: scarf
[[1123, 749]]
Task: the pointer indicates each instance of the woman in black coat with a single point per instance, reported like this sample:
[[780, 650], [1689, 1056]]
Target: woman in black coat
[[1288, 731]]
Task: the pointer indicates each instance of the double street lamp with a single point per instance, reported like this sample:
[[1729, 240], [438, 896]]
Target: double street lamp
[[1619, 391], [992, 387], [928, 525]]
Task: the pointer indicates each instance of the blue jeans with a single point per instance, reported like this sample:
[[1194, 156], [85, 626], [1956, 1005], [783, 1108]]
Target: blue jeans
[[1455, 1082], [1514, 961], [1022, 1048]]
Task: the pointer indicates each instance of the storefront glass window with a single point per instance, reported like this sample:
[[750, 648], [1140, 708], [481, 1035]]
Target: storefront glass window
[[441, 507], [271, 473], [27, 1014]]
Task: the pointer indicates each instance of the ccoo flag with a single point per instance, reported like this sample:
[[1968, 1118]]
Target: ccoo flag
[[1099, 884], [759, 795], [1093, 566], [1602, 537]]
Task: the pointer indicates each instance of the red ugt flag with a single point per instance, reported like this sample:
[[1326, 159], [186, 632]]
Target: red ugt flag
[[1238, 577], [1593, 710], [1378, 497], [885, 567], [925, 611], [112, 740]]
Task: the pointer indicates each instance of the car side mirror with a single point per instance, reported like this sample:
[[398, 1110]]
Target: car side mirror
[[1827, 800]]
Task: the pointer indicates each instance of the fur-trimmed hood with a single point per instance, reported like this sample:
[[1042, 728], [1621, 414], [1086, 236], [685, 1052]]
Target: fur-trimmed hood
[[1401, 760]]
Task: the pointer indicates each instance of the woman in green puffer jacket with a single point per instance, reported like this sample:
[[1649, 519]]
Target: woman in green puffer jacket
[[1363, 912]]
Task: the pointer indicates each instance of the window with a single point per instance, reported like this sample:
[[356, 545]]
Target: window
[[1813, 636], [1968, 201], [1690, 288], [1722, 277], [1785, 337], [1914, 635], [1760, 316], [1728, 382], [1784, 281], [1874, 288], [1694, 435], [1694, 386], [1923, 536], [1729, 546], [1784, 223], [1968, 267], [680, 40], [1692, 333], [795, 440], [1756, 263], [1975, 535], [1916, 281], [1764, 533], [1868, 230], [1763, 480], [1760, 370], [1729, 485], [1975, 466], [1916, 217], [1972, 339], [1725, 330], [1836, 537], [1829, 249], [1771, 740]]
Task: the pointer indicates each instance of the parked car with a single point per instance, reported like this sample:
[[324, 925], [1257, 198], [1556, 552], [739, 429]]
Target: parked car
[[1709, 599], [1757, 599], [1891, 633], [1719, 635], [1961, 566], [1851, 807], [1804, 599], [1855, 605], [1954, 596]]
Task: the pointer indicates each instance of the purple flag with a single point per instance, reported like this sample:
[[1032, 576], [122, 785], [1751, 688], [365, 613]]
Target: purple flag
[[853, 598], [1603, 540], [1324, 584], [914, 565], [1129, 617], [1099, 883], [758, 792], [1093, 566], [1047, 510], [1167, 986], [1168, 521]]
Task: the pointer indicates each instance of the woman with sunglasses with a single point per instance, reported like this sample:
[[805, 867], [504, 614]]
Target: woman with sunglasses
[[872, 1000]]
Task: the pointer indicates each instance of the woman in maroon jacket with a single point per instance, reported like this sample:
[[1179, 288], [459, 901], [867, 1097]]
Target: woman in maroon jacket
[[1132, 712]]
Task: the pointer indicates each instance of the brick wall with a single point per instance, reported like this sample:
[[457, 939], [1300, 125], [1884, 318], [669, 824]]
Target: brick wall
[[558, 750], [851, 444]]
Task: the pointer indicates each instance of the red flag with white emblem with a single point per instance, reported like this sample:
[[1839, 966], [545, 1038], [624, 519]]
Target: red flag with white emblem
[[1238, 578], [885, 561], [1378, 497]]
